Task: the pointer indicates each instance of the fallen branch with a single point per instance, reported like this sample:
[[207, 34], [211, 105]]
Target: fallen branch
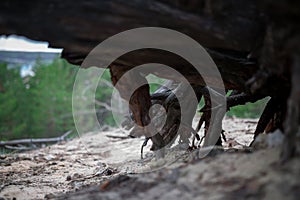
[[35, 140], [20, 147]]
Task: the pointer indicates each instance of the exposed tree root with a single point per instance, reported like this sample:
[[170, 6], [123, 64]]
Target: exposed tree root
[[140, 102], [291, 124]]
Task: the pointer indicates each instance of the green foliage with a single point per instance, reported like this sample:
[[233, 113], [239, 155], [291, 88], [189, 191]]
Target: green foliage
[[52, 106], [41, 106], [11, 102], [250, 110], [155, 82], [36, 106]]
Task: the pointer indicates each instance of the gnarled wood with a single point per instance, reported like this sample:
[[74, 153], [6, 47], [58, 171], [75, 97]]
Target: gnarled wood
[[251, 42]]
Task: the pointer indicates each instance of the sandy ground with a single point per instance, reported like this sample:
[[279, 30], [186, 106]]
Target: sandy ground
[[107, 165]]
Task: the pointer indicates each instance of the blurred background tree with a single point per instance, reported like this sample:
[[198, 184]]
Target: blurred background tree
[[41, 105], [15, 114]]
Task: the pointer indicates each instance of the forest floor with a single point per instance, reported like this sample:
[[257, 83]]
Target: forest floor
[[107, 165]]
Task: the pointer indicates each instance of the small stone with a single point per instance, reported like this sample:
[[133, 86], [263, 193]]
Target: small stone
[[108, 172], [68, 178], [49, 157]]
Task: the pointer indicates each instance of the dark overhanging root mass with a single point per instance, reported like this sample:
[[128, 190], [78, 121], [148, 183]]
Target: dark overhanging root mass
[[165, 97], [272, 117]]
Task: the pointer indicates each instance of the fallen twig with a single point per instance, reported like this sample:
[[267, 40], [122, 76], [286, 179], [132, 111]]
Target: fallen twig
[[35, 140]]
